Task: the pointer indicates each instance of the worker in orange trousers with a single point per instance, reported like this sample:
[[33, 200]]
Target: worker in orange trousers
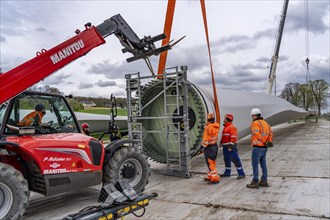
[[210, 148]]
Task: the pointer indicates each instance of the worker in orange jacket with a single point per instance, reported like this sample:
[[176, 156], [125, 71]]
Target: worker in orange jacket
[[229, 144], [261, 132], [34, 118], [210, 148]]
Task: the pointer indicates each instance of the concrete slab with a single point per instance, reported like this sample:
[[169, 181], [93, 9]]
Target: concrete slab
[[298, 167]]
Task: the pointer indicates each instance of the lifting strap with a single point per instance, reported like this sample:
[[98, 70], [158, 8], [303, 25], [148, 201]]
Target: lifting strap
[[167, 31], [163, 56], [216, 104]]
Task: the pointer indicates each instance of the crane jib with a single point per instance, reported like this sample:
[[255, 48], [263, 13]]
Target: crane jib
[[47, 62]]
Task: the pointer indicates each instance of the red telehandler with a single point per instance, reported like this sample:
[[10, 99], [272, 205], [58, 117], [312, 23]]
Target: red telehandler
[[55, 157]]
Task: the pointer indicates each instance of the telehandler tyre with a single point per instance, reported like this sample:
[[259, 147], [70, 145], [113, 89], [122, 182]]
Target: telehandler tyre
[[14, 193], [128, 162]]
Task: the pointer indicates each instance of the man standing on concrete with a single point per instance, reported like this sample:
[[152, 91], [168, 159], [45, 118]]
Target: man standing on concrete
[[210, 148], [230, 153], [261, 133]]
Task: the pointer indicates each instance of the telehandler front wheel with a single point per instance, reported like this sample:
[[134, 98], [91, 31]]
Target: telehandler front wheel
[[128, 162], [14, 193]]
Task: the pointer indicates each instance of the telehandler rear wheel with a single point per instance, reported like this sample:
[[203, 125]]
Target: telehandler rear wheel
[[14, 193], [128, 162]]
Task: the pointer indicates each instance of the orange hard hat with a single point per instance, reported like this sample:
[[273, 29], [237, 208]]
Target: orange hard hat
[[84, 125], [210, 116], [229, 116]]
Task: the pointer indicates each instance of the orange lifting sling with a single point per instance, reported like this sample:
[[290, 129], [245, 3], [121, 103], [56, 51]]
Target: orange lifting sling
[[163, 56], [167, 31]]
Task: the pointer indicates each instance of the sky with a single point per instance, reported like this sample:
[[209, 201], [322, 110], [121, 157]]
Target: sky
[[242, 38]]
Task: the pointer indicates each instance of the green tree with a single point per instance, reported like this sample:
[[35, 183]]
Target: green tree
[[121, 102], [75, 104], [310, 96], [46, 88], [306, 96], [320, 89], [292, 94]]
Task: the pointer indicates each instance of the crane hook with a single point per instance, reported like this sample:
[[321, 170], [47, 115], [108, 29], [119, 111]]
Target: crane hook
[[307, 62]]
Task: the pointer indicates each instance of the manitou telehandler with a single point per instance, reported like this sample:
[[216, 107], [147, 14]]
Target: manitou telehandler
[[54, 156]]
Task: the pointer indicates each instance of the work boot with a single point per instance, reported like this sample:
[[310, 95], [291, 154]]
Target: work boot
[[240, 177], [263, 183], [206, 179], [224, 175], [253, 185]]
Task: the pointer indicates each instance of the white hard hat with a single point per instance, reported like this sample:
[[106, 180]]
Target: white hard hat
[[255, 111]]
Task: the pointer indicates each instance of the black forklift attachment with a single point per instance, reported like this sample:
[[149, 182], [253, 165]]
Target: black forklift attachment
[[117, 200]]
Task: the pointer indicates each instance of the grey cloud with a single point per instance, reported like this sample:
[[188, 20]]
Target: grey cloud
[[263, 62], [40, 29], [117, 70], [283, 58], [24, 21], [56, 79], [235, 39], [9, 62], [69, 83], [200, 77], [195, 57], [295, 21], [102, 83], [2, 39], [241, 80], [181, 56], [297, 72], [271, 32], [320, 69], [239, 47], [244, 77], [85, 85], [250, 66], [9, 9], [234, 43], [263, 59], [318, 10], [237, 78], [120, 93]]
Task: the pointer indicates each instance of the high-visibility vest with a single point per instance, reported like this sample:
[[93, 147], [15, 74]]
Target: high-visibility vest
[[229, 134], [260, 132], [32, 119], [210, 136]]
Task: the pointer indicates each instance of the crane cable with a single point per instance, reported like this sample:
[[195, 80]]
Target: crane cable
[[308, 75], [163, 56]]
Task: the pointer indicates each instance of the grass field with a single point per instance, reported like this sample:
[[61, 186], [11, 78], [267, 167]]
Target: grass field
[[104, 111]]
